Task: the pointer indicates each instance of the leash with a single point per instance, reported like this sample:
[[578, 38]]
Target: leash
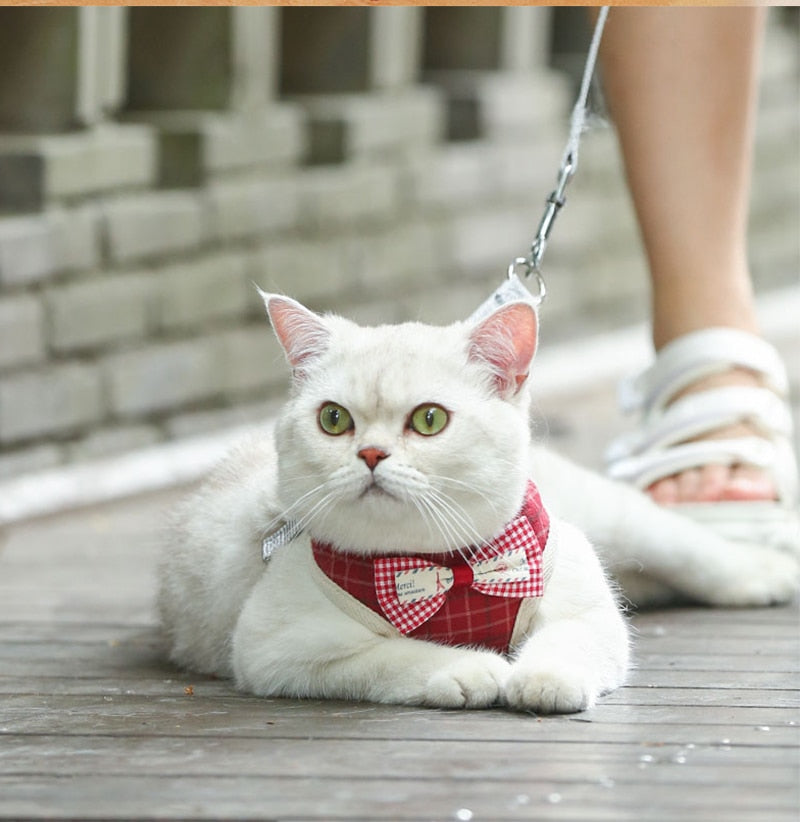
[[513, 288]]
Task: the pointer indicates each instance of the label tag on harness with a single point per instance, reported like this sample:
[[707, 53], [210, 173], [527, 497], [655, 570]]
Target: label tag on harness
[[511, 290], [279, 536]]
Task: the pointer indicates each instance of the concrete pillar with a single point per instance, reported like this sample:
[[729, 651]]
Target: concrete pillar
[[329, 50], [60, 69], [570, 38], [525, 38], [38, 70], [256, 53], [61, 82], [206, 78], [483, 38], [179, 58], [101, 62], [396, 46], [490, 62], [355, 71], [325, 50]]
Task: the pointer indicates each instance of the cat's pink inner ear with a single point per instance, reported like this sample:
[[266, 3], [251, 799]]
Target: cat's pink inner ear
[[506, 342], [302, 334]]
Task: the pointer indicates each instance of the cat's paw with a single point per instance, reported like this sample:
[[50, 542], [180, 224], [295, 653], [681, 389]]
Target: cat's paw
[[762, 576], [555, 689], [474, 681]]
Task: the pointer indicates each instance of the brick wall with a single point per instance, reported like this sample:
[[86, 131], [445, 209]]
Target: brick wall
[[353, 158]]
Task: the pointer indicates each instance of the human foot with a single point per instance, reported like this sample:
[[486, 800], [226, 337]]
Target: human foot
[[715, 425], [714, 482]]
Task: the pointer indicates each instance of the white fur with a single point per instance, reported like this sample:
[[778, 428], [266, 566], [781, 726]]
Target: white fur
[[272, 629]]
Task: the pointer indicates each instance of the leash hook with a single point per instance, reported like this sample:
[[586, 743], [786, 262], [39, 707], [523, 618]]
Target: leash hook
[[569, 163]]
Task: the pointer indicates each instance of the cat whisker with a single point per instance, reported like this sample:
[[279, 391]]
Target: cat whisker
[[339, 485], [434, 518], [426, 517], [461, 524], [484, 493], [319, 509], [455, 509], [443, 525], [287, 513]]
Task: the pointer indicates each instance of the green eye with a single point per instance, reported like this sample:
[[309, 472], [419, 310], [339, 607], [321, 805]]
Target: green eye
[[429, 419], [334, 420]]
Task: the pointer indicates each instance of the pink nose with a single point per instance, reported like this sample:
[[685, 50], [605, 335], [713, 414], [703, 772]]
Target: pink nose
[[372, 456]]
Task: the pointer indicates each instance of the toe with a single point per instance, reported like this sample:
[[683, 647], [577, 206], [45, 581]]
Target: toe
[[712, 482], [689, 484], [748, 483], [664, 492]]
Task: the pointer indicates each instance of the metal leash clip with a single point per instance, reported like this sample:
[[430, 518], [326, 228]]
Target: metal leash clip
[[554, 203], [530, 266], [525, 266], [569, 163]]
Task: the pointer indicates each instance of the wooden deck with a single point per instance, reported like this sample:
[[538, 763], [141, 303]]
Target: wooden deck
[[95, 724]]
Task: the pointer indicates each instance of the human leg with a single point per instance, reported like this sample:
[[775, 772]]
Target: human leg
[[682, 87]]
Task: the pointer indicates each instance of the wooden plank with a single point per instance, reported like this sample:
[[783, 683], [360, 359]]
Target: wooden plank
[[196, 716], [694, 620], [110, 662], [705, 697], [696, 688], [711, 662], [141, 684], [721, 646], [153, 755], [146, 657], [645, 686], [154, 652], [711, 690], [382, 759], [702, 628], [606, 712], [133, 648], [726, 642], [396, 799], [720, 680], [704, 623], [73, 632]]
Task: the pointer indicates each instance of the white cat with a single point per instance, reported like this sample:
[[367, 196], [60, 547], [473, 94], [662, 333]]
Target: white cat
[[401, 479]]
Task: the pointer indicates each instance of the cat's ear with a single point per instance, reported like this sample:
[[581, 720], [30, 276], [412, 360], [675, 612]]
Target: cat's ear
[[302, 334], [506, 342]]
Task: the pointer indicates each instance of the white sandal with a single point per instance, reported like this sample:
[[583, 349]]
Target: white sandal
[[660, 449]]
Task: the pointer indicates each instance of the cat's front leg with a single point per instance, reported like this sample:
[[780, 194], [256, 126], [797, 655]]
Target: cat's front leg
[[578, 646], [473, 679], [316, 650]]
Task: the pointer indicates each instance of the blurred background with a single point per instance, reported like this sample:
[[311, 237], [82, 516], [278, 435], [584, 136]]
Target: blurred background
[[384, 163]]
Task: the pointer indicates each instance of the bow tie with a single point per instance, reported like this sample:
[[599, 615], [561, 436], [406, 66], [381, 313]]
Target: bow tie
[[411, 590]]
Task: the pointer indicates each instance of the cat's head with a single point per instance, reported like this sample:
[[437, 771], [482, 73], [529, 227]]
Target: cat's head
[[404, 438]]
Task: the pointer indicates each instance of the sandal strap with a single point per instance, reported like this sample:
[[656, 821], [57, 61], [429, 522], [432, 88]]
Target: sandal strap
[[666, 443], [701, 354], [776, 457], [703, 412], [646, 468]]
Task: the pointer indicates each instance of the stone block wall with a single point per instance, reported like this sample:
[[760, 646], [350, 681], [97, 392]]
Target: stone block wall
[[387, 163]]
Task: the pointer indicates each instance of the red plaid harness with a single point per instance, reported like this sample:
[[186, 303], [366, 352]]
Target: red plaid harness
[[455, 599]]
